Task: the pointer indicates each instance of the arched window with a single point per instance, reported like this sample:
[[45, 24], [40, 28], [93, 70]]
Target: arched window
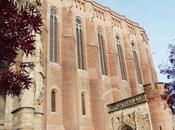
[[80, 53], [53, 101], [83, 104], [138, 71], [53, 35], [121, 58], [102, 52]]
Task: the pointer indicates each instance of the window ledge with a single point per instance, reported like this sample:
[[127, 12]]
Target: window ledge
[[54, 64], [54, 113]]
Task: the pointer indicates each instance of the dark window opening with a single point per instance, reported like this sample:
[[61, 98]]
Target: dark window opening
[[80, 51], [137, 66], [53, 101], [121, 58], [102, 53], [53, 35], [83, 104]]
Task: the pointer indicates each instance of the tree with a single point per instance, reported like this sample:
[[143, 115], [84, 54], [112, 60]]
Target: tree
[[169, 71], [19, 25]]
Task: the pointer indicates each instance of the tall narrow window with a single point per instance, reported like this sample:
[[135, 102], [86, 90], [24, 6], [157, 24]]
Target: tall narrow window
[[102, 52], [53, 35], [80, 53], [83, 104], [138, 71], [121, 58], [53, 101]]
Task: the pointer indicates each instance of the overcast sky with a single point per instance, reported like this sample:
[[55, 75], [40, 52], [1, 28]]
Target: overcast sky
[[157, 17]]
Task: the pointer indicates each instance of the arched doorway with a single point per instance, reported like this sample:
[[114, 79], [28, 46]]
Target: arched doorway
[[126, 127]]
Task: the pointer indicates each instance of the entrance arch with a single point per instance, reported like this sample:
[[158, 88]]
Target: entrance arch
[[126, 127]]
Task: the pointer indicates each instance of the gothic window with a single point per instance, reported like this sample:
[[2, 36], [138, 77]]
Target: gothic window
[[121, 58], [80, 53], [53, 101], [83, 104], [53, 35], [138, 71], [102, 52]]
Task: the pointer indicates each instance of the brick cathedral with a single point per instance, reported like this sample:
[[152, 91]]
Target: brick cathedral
[[93, 71]]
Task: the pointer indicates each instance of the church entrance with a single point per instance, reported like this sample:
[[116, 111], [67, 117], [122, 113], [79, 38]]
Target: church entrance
[[126, 128]]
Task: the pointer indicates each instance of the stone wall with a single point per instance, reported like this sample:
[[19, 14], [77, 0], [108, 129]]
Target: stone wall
[[173, 119], [2, 111]]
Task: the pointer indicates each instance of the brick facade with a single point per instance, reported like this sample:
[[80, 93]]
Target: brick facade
[[32, 111]]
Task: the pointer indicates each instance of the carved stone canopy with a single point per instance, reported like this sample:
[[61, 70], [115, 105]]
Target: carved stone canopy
[[138, 99]]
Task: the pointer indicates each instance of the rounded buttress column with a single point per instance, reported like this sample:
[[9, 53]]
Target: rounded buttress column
[[69, 73], [145, 64], [130, 61], [114, 67], [93, 66]]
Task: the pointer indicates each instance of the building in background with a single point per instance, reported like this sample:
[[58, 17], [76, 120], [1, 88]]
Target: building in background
[[94, 71]]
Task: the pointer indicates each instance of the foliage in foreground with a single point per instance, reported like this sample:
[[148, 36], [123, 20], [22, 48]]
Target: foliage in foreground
[[169, 71], [18, 27]]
